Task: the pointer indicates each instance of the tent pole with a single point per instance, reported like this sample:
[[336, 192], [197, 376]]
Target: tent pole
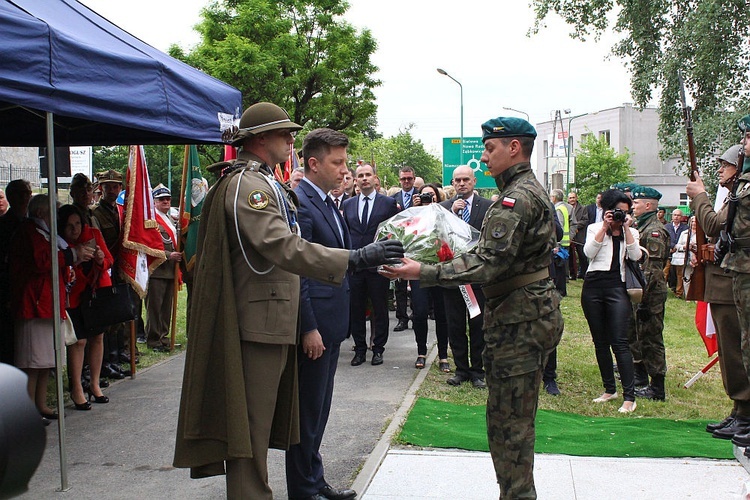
[[56, 299]]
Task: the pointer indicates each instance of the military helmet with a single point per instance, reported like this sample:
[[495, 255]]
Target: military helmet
[[262, 117]]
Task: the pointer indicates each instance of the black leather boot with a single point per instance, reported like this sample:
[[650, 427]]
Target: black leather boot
[[740, 425], [655, 391]]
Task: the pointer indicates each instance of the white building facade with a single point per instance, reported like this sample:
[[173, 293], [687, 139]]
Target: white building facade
[[626, 128]]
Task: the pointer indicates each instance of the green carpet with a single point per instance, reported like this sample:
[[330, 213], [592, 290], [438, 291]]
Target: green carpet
[[437, 424]]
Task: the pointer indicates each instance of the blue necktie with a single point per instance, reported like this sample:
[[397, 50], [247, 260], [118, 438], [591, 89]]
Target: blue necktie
[[465, 215], [407, 200]]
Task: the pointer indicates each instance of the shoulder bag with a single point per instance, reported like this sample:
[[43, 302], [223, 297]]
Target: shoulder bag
[[107, 306], [635, 282]]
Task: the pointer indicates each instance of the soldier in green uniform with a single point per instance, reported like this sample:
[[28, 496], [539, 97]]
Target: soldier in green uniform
[[522, 319], [239, 394], [737, 261], [718, 293], [647, 324]]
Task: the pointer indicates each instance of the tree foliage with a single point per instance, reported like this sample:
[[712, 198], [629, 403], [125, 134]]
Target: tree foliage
[[389, 154], [707, 40], [598, 167], [299, 54]]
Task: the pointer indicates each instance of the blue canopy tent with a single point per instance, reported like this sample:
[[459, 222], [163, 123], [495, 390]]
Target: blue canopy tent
[[103, 85], [69, 77]]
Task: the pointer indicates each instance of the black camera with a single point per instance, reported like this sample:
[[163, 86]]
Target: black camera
[[619, 215], [425, 198]]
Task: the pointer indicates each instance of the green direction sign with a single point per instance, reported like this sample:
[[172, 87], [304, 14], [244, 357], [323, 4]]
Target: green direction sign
[[472, 151]]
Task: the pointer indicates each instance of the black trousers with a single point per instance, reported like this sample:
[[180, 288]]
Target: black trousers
[[420, 299], [402, 300], [467, 351], [364, 285], [607, 312]]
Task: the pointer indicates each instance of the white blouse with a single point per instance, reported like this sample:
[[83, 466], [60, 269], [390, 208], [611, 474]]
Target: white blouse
[[600, 254]]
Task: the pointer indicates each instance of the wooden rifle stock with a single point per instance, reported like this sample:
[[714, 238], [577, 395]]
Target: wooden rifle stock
[[697, 283]]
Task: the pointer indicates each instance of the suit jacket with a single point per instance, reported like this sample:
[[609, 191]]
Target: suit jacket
[[674, 234], [383, 208], [322, 306], [399, 197], [478, 209], [578, 228], [591, 211]]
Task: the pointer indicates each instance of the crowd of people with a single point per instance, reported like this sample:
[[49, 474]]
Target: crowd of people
[[276, 305]]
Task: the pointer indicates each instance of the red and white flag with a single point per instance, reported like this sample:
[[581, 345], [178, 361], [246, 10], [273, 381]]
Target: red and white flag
[[705, 324], [142, 247]]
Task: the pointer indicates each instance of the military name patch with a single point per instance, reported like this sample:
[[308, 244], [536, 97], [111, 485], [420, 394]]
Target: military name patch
[[509, 202], [257, 200]]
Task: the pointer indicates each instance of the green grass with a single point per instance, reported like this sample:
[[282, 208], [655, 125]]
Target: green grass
[[580, 382]]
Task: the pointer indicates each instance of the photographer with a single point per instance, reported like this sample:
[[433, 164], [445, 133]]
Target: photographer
[[421, 298], [605, 300]]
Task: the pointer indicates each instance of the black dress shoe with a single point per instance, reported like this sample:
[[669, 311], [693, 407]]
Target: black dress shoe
[[358, 359], [332, 493], [742, 440], [377, 359], [479, 383], [551, 387], [710, 428], [108, 371], [739, 425], [456, 380], [401, 326]]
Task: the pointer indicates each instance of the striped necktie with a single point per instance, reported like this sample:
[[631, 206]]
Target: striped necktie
[[466, 213], [407, 200]]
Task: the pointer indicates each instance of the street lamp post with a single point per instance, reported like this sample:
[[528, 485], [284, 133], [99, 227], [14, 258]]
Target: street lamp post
[[519, 111], [570, 146], [443, 72]]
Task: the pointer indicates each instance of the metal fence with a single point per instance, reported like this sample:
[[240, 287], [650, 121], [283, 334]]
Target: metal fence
[[9, 172]]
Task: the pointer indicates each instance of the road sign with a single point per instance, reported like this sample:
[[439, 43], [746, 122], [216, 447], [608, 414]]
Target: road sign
[[472, 151]]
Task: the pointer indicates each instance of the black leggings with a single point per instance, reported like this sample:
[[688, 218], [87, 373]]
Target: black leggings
[[608, 311]]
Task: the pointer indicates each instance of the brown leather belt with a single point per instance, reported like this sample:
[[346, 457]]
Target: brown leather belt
[[514, 283]]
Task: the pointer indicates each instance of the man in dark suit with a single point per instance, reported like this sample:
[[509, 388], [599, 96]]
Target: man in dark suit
[[324, 314], [675, 229], [405, 198], [467, 352], [363, 213]]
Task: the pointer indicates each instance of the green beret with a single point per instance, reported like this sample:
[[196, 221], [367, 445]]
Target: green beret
[[625, 186], [744, 123], [646, 193], [507, 127]]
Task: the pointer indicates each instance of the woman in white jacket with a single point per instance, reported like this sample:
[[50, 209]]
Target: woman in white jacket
[[604, 298]]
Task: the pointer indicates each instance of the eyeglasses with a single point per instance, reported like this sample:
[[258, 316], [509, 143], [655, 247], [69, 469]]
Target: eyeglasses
[[406, 179]]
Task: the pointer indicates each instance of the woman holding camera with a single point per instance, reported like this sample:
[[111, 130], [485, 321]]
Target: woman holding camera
[[429, 193], [604, 297]]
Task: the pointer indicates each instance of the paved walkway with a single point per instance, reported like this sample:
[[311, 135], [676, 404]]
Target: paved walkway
[[123, 450]]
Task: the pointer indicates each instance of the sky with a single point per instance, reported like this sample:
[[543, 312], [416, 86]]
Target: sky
[[481, 43]]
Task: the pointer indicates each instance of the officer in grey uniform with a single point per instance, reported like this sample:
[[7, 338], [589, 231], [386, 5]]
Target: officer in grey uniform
[[522, 319], [718, 293], [647, 324], [239, 393]]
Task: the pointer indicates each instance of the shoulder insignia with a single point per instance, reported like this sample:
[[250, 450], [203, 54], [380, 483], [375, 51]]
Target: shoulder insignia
[[509, 202], [257, 200], [499, 230]]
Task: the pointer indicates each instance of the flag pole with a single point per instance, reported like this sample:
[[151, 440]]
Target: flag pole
[[701, 373], [178, 249]]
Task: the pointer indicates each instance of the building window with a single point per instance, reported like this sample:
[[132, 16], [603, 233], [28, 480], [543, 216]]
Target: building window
[[585, 136], [684, 200], [604, 134], [546, 148]]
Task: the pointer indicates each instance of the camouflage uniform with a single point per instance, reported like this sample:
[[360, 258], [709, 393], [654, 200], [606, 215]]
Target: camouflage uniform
[[647, 323], [738, 262], [522, 319]]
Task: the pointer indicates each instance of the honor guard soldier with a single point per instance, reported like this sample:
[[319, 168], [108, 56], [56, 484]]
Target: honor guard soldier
[[646, 332]]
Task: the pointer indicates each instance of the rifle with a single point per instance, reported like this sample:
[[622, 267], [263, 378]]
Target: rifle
[[698, 279]]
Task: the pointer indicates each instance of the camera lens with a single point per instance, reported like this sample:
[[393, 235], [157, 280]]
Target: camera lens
[[425, 198], [618, 215]]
